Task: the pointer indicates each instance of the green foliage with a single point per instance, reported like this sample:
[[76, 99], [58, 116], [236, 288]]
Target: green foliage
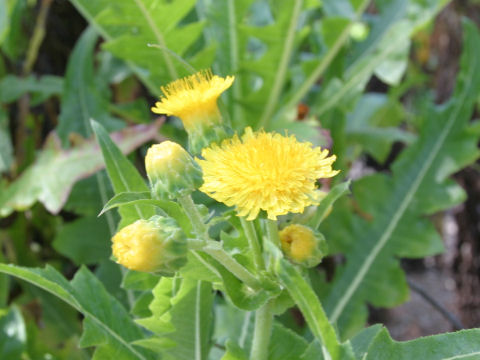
[[107, 325], [185, 319], [282, 53], [149, 22], [396, 206], [460, 345], [50, 179], [13, 335], [84, 97], [123, 176]]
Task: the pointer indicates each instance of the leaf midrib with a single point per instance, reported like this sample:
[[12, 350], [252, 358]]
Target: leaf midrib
[[71, 301], [342, 302]]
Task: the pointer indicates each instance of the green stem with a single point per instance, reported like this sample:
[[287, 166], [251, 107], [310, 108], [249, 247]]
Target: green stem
[[194, 216], [262, 332], [214, 248], [233, 266], [272, 231], [252, 238]]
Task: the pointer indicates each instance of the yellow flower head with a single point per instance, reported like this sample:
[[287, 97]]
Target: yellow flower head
[[302, 245], [171, 170], [194, 99], [264, 171], [154, 245]]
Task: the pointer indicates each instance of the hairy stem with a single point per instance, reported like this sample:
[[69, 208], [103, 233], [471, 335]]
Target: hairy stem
[[251, 235], [194, 216], [262, 332]]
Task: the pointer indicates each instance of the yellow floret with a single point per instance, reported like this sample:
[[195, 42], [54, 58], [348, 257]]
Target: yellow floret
[[264, 171]]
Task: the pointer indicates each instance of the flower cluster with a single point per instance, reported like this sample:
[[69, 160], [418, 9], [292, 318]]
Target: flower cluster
[[256, 173]]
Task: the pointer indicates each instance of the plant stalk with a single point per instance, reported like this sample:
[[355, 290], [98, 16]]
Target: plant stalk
[[262, 332], [194, 216], [252, 238]]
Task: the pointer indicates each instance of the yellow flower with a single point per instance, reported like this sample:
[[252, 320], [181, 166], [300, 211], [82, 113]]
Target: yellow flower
[[154, 245], [302, 245], [171, 170], [264, 171], [194, 100]]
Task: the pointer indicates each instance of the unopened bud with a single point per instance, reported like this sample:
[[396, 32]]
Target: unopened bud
[[156, 245], [171, 170], [302, 245]]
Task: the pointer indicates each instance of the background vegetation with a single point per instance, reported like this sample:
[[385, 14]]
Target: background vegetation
[[391, 86]]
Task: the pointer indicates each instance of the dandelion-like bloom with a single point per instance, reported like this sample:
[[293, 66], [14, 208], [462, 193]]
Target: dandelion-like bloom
[[193, 99], [264, 171]]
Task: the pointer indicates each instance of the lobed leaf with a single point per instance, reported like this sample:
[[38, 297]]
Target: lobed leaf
[[392, 209], [107, 325]]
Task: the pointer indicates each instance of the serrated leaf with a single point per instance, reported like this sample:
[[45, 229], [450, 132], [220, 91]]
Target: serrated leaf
[[285, 344], [107, 324], [310, 306], [83, 97], [84, 241], [224, 19], [50, 179], [459, 345], [233, 352], [129, 26], [143, 198], [186, 317], [392, 31], [123, 176], [392, 223]]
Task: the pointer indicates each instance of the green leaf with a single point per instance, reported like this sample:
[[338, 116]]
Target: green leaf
[[285, 344], [184, 318], [84, 98], [143, 198], [224, 19], [362, 341], [13, 87], [84, 241], [459, 345], [310, 306], [391, 32], [325, 205], [313, 352], [107, 325], [6, 149], [50, 179], [13, 334], [129, 26], [393, 208], [234, 352], [15, 41], [123, 175]]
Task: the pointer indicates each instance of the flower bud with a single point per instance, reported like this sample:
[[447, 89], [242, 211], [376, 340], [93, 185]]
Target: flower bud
[[171, 170], [302, 245], [156, 245]]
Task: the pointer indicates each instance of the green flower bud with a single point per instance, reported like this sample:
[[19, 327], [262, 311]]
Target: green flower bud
[[302, 245], [155, 245], [171, 170]]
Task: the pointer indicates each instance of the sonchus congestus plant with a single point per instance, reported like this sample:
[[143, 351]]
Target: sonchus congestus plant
[[262, 176], [220, 250]]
